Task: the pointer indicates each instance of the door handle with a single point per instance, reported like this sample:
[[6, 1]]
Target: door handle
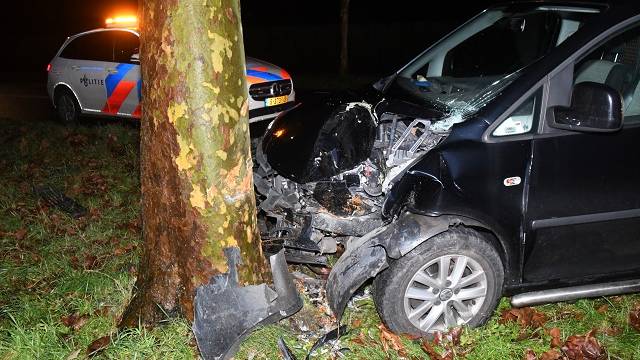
[[112, 71], [75, 67]]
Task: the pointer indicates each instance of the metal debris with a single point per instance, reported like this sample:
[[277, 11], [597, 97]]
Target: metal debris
[[225, 312], [56, 198]]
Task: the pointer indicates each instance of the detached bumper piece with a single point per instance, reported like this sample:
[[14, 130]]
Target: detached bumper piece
[[59, 200], [225, 312]]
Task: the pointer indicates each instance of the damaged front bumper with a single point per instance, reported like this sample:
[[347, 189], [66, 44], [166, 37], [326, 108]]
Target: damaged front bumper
[[368, 256]]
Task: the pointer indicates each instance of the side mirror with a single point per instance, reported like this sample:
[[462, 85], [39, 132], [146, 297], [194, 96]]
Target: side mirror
[[594, 108], [135, 59]]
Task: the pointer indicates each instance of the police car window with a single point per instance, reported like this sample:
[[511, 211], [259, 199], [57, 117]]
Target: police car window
[[94, 47], [127, 45], [523, 120]]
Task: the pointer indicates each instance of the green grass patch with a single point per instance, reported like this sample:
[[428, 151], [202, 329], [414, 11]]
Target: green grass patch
[[52, 266]]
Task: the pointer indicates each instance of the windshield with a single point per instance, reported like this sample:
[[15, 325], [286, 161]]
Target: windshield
[[463, 72]]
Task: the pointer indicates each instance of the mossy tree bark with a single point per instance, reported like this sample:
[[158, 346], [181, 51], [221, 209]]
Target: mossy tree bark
[[196, 168]]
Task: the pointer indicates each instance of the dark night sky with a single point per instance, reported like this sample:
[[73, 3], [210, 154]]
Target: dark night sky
[[288, 32]]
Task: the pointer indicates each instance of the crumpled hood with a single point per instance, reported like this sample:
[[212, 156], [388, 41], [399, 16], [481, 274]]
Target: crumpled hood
[[321, 137], [329, 133]]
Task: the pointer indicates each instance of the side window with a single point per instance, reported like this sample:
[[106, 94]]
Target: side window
[[96, 46], [127, 45], [616, 64], [523, 120]]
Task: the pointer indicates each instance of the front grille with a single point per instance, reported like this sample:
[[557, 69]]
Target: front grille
[[270, 110], [269, 89]]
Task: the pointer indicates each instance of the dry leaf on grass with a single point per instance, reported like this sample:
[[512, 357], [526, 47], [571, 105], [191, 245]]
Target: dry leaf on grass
[[556, 342], [98, 345], [634, 318], [526, 317], [552, 354], [529, 355], [433, 354], [74, 321], [388, 338], [584, 347], [20, 234]]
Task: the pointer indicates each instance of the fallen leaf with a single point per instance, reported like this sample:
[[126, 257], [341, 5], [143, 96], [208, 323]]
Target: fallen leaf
[[75, 263], [74, 321], [90, 262], [98, 345], [124, 250], [453, 335], [555, 337], [584, 347], [103, 311], [356, 323], [552, 354], [634, 318], [530, 355], [387, 337], [74, 355], [526, 317], [602, 309], [359, 340], [612, 331], [429, 350], [20, 234]]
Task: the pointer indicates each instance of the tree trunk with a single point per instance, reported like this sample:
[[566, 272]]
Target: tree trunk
[[344, 36], [196, 168]]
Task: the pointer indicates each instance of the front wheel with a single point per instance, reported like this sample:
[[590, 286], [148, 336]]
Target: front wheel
[[67, 107], [452, 279]]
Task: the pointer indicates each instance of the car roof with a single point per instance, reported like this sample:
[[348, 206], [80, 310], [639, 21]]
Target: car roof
[[133, 31]]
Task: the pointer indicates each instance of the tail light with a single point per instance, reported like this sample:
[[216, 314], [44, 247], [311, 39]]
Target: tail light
[[48, 67]]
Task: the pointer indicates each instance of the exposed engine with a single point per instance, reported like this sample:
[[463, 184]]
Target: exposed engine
[[312, 218]]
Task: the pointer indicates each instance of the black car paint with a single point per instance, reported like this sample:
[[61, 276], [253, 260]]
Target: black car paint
[[463, 178]]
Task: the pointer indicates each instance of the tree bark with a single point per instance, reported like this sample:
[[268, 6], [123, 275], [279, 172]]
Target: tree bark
[[196, 168], [344, 36]]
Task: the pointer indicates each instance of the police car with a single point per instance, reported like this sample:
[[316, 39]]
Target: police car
[[98, 73]]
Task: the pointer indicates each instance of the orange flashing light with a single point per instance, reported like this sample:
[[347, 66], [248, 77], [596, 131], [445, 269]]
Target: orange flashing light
[[279, 133], [122, 21]]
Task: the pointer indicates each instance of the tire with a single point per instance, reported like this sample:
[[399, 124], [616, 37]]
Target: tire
[[396, 290], [67, 107]]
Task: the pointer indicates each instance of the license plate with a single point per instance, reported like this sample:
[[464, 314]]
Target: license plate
[[276, 100]]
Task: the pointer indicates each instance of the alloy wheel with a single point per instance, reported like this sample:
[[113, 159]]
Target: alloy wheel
[[447, 291]]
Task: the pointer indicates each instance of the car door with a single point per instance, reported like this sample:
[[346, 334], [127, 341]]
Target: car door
[[89, 60], [123, 85], [584, 198]]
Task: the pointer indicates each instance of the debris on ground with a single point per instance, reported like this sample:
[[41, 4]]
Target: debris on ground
[[56, 198]]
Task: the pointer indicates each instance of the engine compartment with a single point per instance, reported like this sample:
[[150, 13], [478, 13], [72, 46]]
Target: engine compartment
[[312, 208]]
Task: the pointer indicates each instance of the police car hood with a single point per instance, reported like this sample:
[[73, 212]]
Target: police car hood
[[260, 69]]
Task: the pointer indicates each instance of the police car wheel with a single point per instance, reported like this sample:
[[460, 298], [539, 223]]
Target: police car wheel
[[67, 107], [451, 280]]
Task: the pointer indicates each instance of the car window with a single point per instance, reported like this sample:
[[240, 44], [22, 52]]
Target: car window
[[523, 119], [96, 46], [470, 67], [127, 44], [616, 63]]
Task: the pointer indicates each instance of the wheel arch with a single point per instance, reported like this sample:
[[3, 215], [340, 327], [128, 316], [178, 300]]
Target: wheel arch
[[61, 87], [368, 256]]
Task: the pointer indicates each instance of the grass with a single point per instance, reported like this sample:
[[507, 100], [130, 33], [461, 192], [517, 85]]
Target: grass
[[52, 266]]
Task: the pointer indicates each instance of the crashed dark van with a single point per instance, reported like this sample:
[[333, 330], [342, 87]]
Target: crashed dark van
[[502, 161]]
